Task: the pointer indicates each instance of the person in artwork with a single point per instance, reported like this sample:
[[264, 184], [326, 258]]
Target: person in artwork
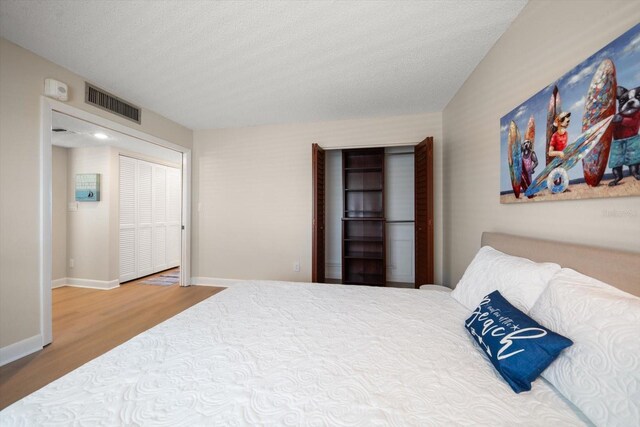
[[560, 137]]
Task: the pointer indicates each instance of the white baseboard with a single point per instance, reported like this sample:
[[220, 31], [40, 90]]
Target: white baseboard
[[212, 281], [86, 283], [58, 282], [20, 349]]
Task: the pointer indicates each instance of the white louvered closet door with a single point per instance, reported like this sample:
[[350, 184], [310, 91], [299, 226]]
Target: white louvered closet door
[[144, 236], [159, 217], [128, 267], [150, 218], [174, 215]]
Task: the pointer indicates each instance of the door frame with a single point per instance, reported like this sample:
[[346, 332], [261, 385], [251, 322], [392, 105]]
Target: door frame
[[47, 107]]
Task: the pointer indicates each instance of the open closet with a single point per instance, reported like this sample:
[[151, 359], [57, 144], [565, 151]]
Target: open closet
[[373, 215]]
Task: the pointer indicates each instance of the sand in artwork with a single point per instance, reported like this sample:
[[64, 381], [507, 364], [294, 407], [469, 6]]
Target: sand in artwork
[[629, 186]]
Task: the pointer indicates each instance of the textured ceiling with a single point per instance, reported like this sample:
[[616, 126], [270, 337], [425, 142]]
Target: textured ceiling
[[208, 64]]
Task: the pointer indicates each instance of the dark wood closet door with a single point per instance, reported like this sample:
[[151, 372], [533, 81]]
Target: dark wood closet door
[[424, 212], [318, 239]]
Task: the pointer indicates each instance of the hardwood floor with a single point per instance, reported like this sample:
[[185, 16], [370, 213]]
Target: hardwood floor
[[88, 323]]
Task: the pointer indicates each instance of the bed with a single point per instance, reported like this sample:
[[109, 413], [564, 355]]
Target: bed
[[280, 353]]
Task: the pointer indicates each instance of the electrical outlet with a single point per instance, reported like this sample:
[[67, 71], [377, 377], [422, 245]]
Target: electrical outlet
[[296, 266], [72, 263]]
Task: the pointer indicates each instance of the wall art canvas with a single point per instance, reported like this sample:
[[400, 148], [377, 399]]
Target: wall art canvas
[[88, 187], [578, 138]]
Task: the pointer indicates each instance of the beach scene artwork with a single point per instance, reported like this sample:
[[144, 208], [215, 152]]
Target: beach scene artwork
[[578, 138]]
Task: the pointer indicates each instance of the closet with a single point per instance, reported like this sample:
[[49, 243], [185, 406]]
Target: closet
[[373, 215], [150, 218]]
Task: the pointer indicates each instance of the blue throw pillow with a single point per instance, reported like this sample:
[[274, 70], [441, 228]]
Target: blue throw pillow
[[518, 346]]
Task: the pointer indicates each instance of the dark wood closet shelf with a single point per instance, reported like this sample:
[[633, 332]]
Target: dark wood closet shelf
[[363, 239], [364, 169], [364, 256], [366, 279], [363, 218], [363, 229]]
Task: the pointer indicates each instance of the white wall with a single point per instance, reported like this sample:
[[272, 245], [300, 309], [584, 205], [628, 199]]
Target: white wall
[[22, 75], [59, 213], [88, 235], [546, 40], [252, 191], [399, 198], [333, 214]]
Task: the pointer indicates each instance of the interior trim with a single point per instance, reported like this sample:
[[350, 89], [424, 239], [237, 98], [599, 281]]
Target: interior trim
[[20, 349]]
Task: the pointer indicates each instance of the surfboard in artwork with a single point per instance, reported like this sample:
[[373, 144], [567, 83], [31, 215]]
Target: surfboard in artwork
[[553, 109], [573, 153], [600, 103], [515, 157]]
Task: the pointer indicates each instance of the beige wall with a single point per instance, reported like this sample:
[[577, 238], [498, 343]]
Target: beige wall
[[252, 191], [88, 235], [546, 40], [22, 75], [59, 213]]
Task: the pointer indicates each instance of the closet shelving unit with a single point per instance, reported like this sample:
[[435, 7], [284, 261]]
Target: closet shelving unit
[[363, 220]]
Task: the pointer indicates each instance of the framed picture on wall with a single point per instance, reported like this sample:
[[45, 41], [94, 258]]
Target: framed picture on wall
[[88, 187], [578, 138]]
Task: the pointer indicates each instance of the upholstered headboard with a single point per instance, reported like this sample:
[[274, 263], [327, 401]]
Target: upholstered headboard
[[617, 268]]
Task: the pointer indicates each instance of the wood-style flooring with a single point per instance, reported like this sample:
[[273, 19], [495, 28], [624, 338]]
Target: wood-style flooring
[[88, 323]]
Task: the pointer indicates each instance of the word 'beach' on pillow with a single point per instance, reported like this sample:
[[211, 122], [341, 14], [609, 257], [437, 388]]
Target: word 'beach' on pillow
[[518, 346]]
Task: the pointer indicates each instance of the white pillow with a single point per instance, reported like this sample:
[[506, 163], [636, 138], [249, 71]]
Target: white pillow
[[519, 280], [600, 372]]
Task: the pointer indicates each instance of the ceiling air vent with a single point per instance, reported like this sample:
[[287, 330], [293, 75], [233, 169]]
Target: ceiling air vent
[[101, 99]]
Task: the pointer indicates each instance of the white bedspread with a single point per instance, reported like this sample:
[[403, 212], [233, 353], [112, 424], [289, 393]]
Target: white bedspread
[[273, 353]]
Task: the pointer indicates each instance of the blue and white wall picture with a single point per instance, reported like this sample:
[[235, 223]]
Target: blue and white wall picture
[[578, 138], [88, 187]]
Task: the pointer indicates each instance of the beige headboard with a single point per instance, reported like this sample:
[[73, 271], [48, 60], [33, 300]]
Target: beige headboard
[[617, 268]]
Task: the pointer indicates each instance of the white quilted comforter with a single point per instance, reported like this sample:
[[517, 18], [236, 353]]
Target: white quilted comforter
[[273, 353]]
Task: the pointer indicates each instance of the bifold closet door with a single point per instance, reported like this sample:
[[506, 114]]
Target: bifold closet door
[[128, 267], [159, 217], [150, 218], [317, 235], [174, 217], [144, 197], [423, 171]]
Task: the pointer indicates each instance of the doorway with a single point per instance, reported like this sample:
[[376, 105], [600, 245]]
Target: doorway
[[129, 140]]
